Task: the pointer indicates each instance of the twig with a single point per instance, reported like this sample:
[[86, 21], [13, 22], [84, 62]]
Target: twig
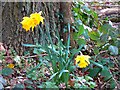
[[34, 56], [29, 56]]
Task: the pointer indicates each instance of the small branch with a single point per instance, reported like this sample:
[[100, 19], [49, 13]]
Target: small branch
[[34, 56], [29, 56]]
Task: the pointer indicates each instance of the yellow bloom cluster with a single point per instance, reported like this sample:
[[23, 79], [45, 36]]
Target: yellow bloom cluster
[[10, 65], [32, 21], [82, 60]]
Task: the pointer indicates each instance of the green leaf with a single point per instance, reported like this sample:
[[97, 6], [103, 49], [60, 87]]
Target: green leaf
[[28, 82], [81, 30], [112, 84], [94, 35], [87, 78], [66, 77], [75, 35], [38, 51], [105, 72], [72, 68], [7, 71], [31, 45], [35, 68], [105, 28], [29, 87], [53, 75], [96, 50], [17, 59], [68, 44], [94, 71], [3, 81], [51, 85], [40, 86], [113, 50], [92, 84], [76, 10], [97, 64], [19, 86], [104, 38], [81, 41], [79, 21], [85, 8], [99, 43], [1, 86], [85, 34], [63, 71], [95, 15]]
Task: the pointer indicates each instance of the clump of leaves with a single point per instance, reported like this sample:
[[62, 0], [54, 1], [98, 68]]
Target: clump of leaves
[[102, 38]]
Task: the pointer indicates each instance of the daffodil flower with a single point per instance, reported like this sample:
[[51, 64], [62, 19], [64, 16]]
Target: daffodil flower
[[32, 21], [82, 61], [26, 23], [10, 65], [36, 19]]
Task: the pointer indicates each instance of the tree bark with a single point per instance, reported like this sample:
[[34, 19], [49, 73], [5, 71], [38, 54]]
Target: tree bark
[[66, 8]]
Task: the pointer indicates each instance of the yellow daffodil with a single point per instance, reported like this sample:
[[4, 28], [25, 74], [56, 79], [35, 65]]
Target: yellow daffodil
[[36, 19], [10, 65], [82, 60], [32, 21], [26, 23]]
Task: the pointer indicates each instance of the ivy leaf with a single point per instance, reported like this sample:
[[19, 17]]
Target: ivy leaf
[[105, 28], [105, 72], [113, 50], [96, 50], [104, 38], [94, 35], [19, 86], [95, 15], [85, 8], [81, 41], [85, 34], [7, 71], [99, 43], [75, 35], [94, 72], [51, 85], [112, 84], [81, 30], [29, 82]]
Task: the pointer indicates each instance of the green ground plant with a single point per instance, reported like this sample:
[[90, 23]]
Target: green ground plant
[[103, 37], [57, 65]]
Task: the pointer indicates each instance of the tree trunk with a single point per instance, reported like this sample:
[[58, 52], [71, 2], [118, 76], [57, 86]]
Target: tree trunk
[[66, 8]]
